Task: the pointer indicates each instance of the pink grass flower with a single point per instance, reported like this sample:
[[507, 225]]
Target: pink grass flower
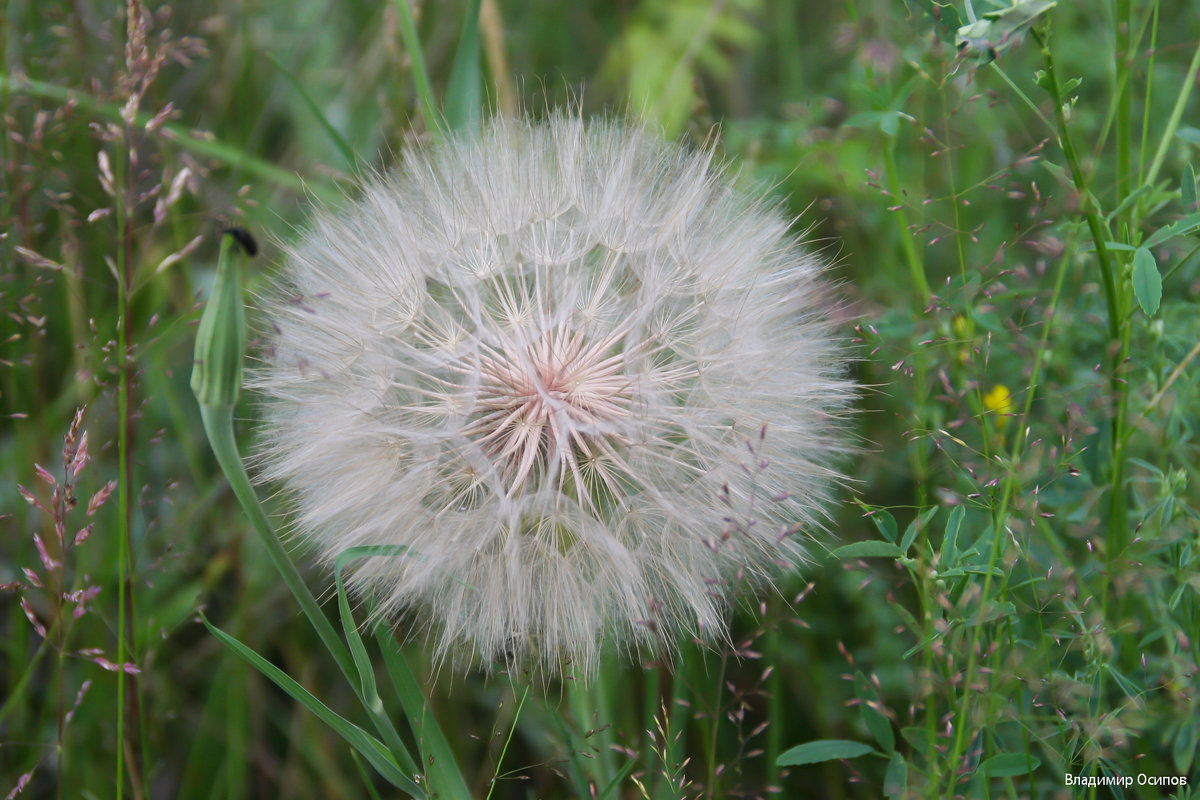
[[535, 358]]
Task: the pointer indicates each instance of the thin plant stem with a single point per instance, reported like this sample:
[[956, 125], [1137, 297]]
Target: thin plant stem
[[916, 271], [1181, 101], [507, 741], [124, 479], [218, 424], [1008, 490]]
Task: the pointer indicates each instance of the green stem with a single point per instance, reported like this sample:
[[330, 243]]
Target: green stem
[[218, 424], [916, 270], [1118, 332], [1123, 20], [1008, 490], [1181, 101], [124, 478]]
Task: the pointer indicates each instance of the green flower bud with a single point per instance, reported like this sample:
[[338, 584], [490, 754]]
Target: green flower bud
[[221, 337]]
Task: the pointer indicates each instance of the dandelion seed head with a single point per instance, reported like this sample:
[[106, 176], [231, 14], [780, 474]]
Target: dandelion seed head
[[582, 378]]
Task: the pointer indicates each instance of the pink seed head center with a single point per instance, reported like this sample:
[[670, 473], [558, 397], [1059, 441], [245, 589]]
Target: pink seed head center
[[551, 406]]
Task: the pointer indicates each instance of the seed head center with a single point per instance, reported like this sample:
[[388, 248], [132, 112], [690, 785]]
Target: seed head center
[[547, 407]]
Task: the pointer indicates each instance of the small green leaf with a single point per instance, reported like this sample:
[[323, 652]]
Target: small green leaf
[[949, 554], [916, 526], [871, 549], [1131, 689], [895, 780], [885, 522], [945, 18], [1184, 750], [822, 750], [1189, 134], [878, 724], [1147, 282], [1180, 227], [921, 739], [996, 31], [1009, 765], [1187, 188]]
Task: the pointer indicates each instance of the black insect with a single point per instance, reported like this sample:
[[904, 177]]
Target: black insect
[[243, 238]]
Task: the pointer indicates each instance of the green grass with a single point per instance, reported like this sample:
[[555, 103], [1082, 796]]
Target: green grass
[[1009, 594]]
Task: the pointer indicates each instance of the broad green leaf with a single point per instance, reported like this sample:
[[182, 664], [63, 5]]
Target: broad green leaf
[[1189, 134], [871, 549], [366, 744], [1147, 282], [1009, 765], [895, 780], [885, 522], [822, 750]]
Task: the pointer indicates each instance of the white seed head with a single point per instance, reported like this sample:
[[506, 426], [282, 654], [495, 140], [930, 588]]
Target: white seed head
[[585, 382]]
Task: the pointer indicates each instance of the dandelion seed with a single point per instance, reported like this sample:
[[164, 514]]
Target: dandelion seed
[[535, 358]]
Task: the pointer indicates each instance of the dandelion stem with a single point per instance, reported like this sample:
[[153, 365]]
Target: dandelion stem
[[218, 425]]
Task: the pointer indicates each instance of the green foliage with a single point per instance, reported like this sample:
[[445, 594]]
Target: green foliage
[[1009, 189]]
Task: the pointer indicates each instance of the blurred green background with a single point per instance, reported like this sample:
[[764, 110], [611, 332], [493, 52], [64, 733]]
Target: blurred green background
[[898, 154]]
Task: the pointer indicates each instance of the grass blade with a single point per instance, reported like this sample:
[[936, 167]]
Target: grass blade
[[368, 690], [464, 98], [336, 137], [442, 770], [180, 135], [366, 744], [412, 43]]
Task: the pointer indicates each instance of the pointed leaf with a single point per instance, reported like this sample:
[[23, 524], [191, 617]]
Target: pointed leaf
[[464, 95], [895, 780], [1147, 282], [871, 549], [1009, 765], [366, 744], [338, 140], [1187, 188], [822, 750]]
